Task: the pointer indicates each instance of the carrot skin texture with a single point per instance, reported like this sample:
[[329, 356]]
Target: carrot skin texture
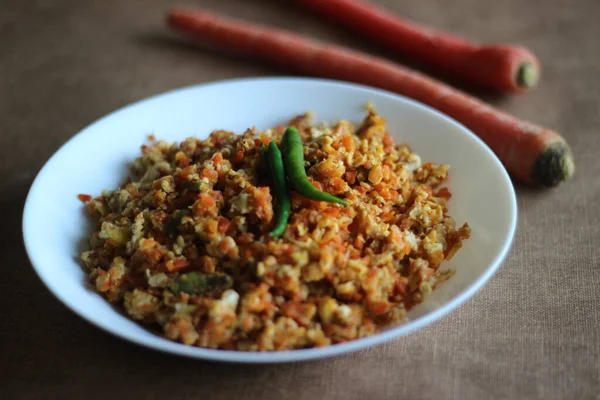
[[519, 144], [493, 66]]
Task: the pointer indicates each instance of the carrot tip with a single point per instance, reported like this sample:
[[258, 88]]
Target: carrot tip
[[554, 165], [527, 75]]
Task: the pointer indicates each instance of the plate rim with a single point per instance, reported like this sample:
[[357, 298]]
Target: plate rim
[[231, 356]]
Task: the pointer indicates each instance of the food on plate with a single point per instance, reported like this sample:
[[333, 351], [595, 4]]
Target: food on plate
[[220, 243], [529, 152]]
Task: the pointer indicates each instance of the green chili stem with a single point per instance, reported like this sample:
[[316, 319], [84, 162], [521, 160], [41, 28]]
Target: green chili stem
[[293, 161], [282, 194]]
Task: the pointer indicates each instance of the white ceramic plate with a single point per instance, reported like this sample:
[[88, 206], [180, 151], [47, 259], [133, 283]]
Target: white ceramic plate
[[55, 226]]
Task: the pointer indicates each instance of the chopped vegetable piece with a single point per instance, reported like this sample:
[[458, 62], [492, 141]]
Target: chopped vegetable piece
[[197, 283], [195, 186], [172, 227], [84, 197]]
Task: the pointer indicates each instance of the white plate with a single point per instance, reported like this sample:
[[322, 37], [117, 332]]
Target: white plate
[[55, 225]]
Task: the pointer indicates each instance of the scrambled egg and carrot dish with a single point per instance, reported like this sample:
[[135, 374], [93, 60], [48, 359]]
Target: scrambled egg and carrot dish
[[183, 246]]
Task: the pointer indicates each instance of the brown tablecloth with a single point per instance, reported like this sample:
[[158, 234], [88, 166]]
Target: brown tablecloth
[[532, 333]]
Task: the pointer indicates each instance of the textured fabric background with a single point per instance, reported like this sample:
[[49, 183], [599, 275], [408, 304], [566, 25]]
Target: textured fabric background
[[532, 333]]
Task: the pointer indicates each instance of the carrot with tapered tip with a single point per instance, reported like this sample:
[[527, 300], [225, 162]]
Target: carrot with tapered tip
[[506, 68]]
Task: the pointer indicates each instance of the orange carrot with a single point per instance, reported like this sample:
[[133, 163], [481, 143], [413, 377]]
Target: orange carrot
[[502, 67], [529, 152], [177, 265]]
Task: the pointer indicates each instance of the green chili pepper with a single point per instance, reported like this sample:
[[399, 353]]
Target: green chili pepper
[[197, 283], [293, 161], [282, 194]]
